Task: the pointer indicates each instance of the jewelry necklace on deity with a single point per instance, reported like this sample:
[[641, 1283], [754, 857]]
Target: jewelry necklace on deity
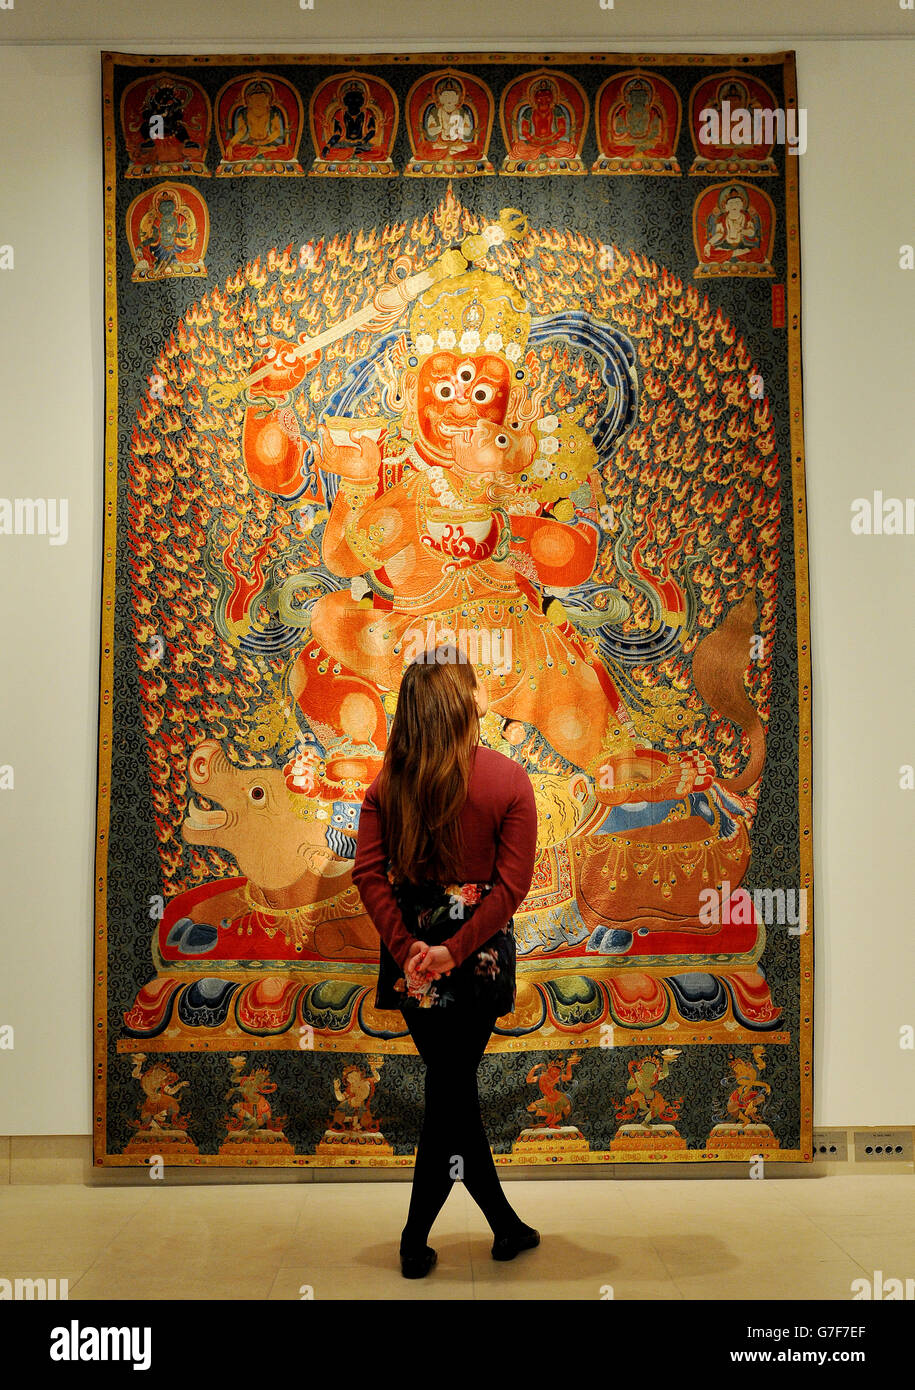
[[438, 482], [297, 923]]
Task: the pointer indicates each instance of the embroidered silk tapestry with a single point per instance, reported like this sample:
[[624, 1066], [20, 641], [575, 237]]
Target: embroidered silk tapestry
[[502, 350]]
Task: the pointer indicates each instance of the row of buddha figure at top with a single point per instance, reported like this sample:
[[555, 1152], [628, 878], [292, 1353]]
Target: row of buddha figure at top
[[167, 122]]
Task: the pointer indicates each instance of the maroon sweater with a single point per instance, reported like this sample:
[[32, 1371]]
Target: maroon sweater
[[499, 823]]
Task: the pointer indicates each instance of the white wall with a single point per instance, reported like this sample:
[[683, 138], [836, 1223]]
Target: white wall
[[857, 208]]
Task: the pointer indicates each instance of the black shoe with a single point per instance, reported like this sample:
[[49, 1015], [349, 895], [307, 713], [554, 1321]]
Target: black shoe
[[507, 1247], [417, 1266]]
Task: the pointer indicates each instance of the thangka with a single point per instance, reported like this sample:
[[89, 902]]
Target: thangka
[[496, 350]]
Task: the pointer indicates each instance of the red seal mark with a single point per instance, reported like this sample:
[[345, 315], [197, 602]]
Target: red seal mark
[[778, 306]]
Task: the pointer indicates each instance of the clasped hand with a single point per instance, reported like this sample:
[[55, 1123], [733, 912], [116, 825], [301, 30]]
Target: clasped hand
[[426, 963]]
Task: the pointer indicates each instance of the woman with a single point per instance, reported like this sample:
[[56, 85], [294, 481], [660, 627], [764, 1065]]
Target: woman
[[444, 856]]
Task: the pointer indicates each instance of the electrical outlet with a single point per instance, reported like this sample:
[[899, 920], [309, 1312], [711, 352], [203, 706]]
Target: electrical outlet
[[831, 1145], [892, 1144]]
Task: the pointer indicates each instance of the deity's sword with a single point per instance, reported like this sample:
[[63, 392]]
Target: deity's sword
[[386, 306]]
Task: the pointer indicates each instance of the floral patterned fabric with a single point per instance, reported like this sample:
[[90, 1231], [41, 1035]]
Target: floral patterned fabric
[[433, 912]]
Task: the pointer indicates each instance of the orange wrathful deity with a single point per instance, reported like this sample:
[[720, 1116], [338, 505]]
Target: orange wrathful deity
[[457, 539], [450, 524]]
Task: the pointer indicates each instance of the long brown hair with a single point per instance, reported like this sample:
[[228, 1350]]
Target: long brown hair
[[422, 785]]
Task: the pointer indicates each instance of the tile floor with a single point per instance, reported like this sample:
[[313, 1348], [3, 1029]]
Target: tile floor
[[652, 1239]]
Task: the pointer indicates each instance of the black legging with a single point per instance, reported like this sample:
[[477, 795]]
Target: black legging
[[451, 1042]]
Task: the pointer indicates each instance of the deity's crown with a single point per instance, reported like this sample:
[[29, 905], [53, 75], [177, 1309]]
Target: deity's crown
[[472, 312]]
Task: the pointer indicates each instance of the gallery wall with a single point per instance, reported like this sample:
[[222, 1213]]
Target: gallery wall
[[857, 210]]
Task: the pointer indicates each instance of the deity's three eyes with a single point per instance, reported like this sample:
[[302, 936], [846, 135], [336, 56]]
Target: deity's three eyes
[[481, 394]]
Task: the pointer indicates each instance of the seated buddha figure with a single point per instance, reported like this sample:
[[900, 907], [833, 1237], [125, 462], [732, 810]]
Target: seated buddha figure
[[637, 120], [543, 124], [449, 122]]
